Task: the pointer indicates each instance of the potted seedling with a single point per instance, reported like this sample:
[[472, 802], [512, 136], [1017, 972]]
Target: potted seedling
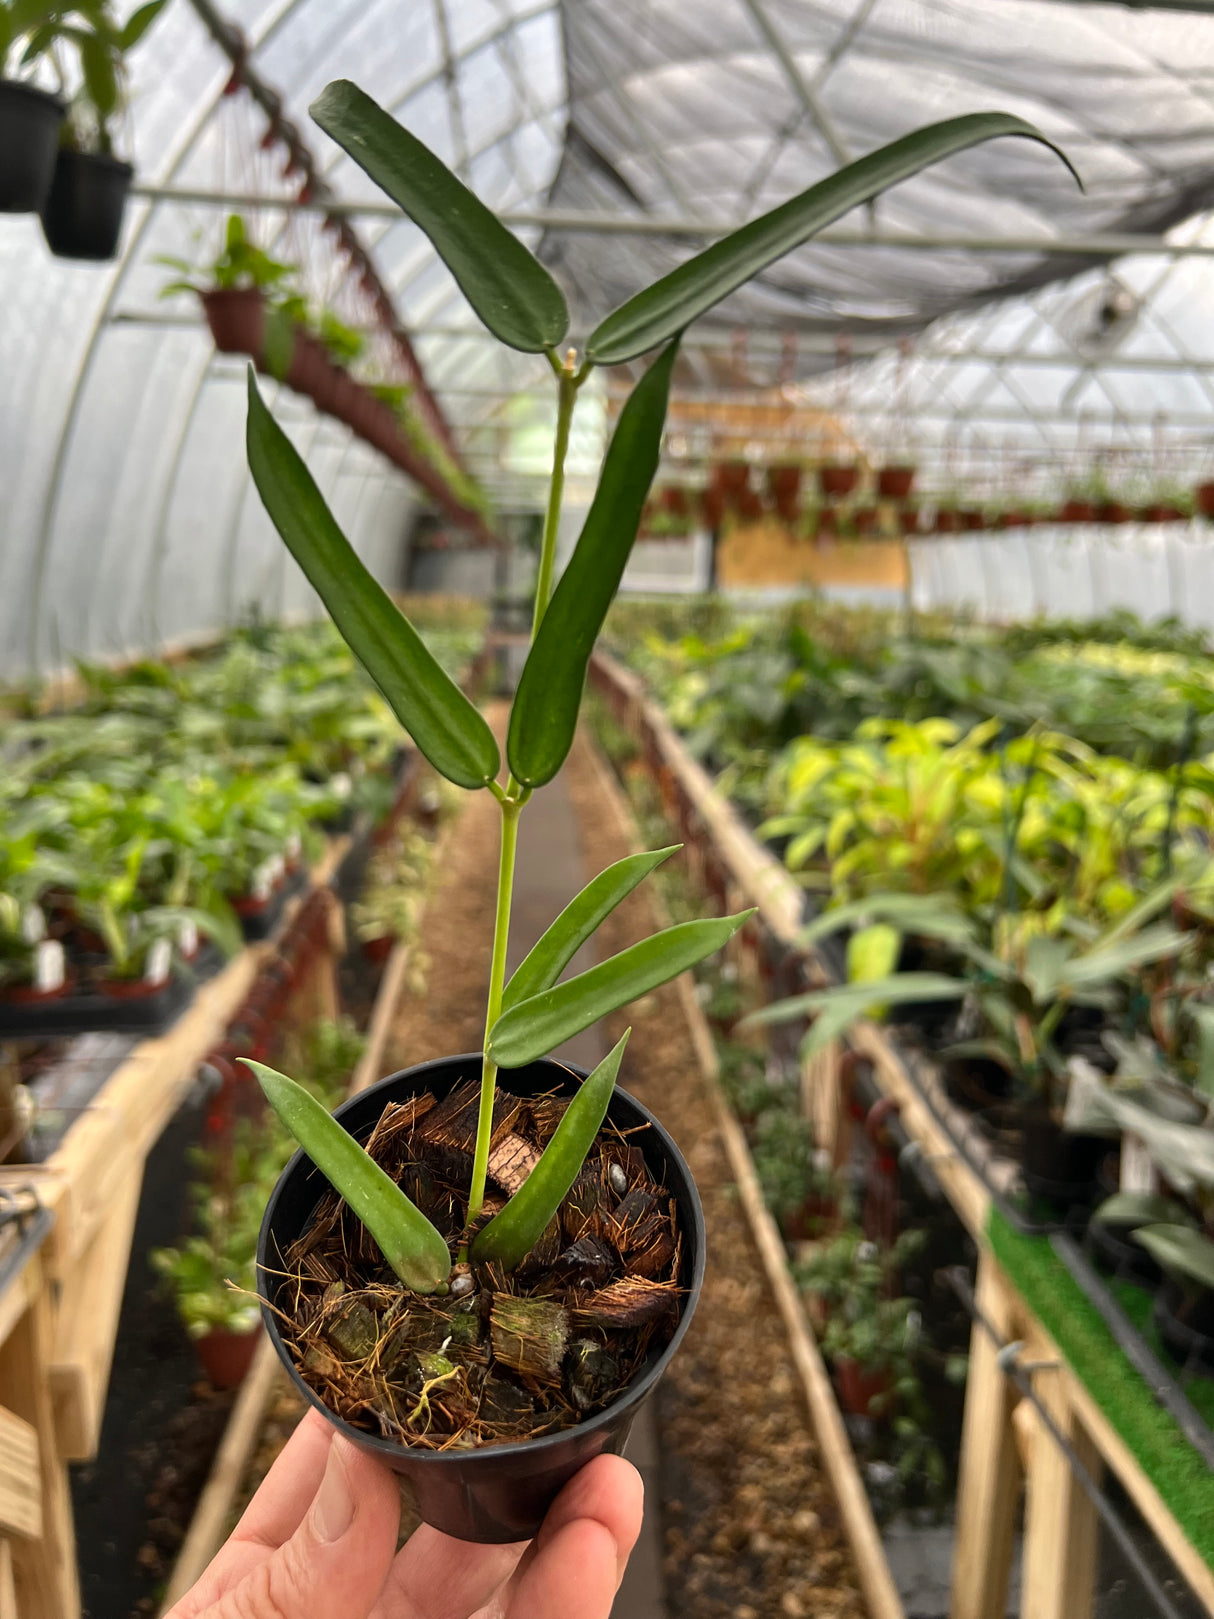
[[391, 905], [211, 1274], [30, 117], [495, 1274], [83, 211], [238, 290]]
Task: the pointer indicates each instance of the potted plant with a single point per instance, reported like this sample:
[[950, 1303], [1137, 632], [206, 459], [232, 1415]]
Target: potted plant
[[390, 907], [211, 1274], [83, 210], [30, 117], [837, 480], [434, 1301], [895, 482], [236, 291], [784, 485]]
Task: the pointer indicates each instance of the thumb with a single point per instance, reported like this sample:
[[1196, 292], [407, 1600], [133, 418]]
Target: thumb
[[335, 1564]]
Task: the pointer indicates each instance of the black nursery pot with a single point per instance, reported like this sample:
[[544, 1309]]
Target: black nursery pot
[[29, 138], [1058, 1165], [498, 1493], [82, 215]]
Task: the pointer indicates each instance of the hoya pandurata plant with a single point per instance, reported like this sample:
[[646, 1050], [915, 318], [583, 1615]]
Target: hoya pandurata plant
[[521, 305]]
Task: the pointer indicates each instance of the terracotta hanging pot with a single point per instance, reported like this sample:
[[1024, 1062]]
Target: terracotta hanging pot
[[237, 318], [1077, 511], [838, 480], [1112, 511], [948, 520], [784, 484], [895, 482], [1205, 499]]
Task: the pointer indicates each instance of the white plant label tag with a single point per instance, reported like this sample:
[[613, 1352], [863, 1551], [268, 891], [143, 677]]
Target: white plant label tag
[[1138, 1173], [160, 955], [50, 966]]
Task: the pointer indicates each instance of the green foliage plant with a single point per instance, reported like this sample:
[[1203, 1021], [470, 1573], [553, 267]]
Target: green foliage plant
[[103, 44], [517, 299]]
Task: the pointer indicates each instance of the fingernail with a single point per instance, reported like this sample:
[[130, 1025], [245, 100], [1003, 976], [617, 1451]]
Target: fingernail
[[333, 1508]]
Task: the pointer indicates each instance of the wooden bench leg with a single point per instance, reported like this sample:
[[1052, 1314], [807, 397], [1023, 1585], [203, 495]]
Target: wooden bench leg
[[1060, 1520], [989, 1484], [43, 1570]]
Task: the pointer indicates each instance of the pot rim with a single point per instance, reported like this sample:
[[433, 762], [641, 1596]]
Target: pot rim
[[630, 1397], [27, 87], [101, 160]]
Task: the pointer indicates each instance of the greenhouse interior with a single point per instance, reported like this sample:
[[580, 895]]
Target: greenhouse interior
[[607, 810]]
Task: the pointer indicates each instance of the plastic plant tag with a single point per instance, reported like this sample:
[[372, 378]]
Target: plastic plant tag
[[33, 925], [159, 960], [50, 967]]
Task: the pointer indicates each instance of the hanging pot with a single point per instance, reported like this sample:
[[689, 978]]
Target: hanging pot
[[895, 483], [865, 519], [497, 1493], [948, 520], [784, 483], [1112, 511], [838, 480], [237, 318], [731, 479], [1077, 511], [83, 212], [30, 120], [1205, 499]]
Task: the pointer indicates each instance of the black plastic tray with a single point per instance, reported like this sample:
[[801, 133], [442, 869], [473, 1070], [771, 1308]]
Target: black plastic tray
[[265, 922], [90, 1012]]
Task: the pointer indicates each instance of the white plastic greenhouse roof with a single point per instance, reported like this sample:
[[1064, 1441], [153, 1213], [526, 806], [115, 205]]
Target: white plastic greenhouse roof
[[127, 517]]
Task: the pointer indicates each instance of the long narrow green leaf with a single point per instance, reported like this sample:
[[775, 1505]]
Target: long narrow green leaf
[[510, 1236], [561, 942], [415, 1250], [1098, 965], [671, 304], [892, 990], [506, 285], [445, 725], [544, 715], [533, 1027], [930, 915]]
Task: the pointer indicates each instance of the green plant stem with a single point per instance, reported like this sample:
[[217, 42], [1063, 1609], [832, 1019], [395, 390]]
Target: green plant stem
[[568, 382], [497, 980]]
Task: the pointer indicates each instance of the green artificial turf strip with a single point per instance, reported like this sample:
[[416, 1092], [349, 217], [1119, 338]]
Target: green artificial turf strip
[[1077, 1327]]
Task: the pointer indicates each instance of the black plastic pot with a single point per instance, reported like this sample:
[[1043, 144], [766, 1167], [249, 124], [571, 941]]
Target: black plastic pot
[[1186, 1327], [1059, 1166], [82, 214], [499, 1493], [29, 138]]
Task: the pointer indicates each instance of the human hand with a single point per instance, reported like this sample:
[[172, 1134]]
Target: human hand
[[318, 1541]]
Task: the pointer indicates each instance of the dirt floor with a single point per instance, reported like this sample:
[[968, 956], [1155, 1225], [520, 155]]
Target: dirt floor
[[750, 1526]]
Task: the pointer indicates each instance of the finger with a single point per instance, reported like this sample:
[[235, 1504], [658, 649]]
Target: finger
[[335, 1564], [573, 1576], [436, 1576], [271, 1517], [609, 1491]]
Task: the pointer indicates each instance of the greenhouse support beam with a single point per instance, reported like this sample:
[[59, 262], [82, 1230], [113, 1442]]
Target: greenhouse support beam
[[811, 103], [1096, 244], [232, 42]]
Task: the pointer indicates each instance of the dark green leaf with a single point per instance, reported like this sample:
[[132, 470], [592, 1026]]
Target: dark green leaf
[[510, 1236], [544, 715], [533, 1027], [411, 1245], [446, 727], [506, 285], [562, 941], [139, 22], [100, 81], [671, 304]]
